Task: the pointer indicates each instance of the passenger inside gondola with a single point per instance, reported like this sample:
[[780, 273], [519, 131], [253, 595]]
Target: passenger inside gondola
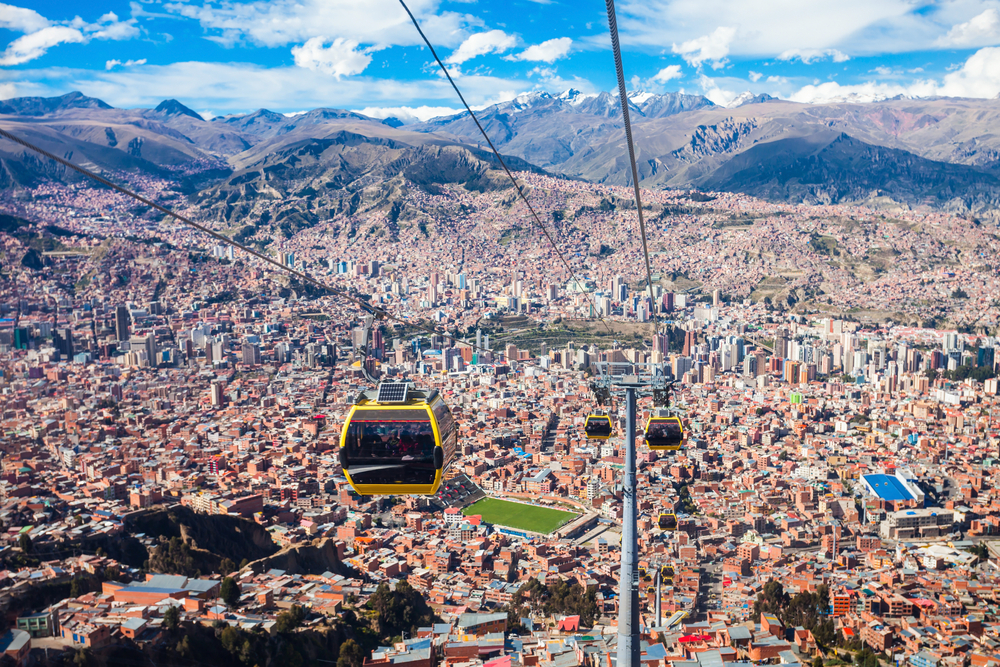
[[664, 433], [380, 452]]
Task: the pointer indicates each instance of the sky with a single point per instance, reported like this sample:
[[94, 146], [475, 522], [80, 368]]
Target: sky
[[231, 57]]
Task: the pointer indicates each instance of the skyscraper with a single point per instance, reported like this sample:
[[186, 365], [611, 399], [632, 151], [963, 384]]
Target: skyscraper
[[690, 340], [781, 343], [121, 323], [251, 354], [62, 339]]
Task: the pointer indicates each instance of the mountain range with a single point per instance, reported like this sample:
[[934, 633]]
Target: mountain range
[[942, 152]]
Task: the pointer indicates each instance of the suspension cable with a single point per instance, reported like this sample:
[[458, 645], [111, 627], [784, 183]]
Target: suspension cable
[[365, 306], [503, 164], [622, 94]]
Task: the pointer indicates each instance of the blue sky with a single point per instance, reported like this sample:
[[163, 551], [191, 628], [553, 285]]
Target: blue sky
[[293, 55]]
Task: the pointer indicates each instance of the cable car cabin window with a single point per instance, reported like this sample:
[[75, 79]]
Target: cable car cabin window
[[668, 522], [664, 433], [598, 426], [391, 452]]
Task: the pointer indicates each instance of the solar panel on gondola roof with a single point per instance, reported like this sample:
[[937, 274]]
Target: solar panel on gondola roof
[[392, 392]]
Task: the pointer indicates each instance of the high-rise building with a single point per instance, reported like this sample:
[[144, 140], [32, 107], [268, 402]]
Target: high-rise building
[[781, 343], [122, 321], [690, 341], [62, 339], [146, 343], [661, 343], [217, 396], [22, 337], [251, 354]]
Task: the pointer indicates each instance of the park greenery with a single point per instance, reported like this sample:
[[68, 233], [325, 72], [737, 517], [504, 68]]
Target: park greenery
[[559, 597]]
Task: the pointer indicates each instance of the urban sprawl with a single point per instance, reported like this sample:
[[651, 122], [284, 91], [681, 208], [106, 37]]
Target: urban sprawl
[[836, 497]]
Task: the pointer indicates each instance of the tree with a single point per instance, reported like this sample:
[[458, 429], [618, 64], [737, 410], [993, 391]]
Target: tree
[[24, 543], [230, 639], [351, 654], [226, 566], [229, 591], [75, 589], [401, 610], [82, 658], [818, 662], [291, 619], [171, 618], [184, 648]]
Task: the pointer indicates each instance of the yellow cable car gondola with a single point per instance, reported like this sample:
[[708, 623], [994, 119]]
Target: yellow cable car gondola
[[397, 440], [667, 522], [598, 427], [664, 433], [667, 573]]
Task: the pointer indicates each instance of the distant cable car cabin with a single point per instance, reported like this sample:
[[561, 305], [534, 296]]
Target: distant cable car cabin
[[598, 427], [667, 522], [397, 440], [664, 433]]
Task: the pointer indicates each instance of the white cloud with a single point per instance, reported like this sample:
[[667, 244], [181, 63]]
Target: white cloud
[[711, 89], [667, 73], [981, 30], [242, 87], [494, 41], [978, 77], [35, 44], [341, 58], [769, 27], [543, 72], [831, 91], [281, 22], [20, 19], [755, 76], [546, 52], [811, 55], [41, 35], [713, 47], [409, 115], [107, 27], [111, 64]]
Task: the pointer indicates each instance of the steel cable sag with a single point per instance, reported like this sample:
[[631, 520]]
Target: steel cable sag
[[623, 97], [503, 164], [368, 308]]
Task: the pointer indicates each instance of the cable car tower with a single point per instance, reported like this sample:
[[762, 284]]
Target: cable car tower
[[646, 380]]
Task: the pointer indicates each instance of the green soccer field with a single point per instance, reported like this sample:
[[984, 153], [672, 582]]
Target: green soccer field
[[518, 515]]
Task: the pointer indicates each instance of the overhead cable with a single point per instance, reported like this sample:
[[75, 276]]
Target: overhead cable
[[496, 153], [623, 97], [364, 305]]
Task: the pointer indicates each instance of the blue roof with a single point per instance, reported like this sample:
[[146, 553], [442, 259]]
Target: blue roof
[[888, 487]]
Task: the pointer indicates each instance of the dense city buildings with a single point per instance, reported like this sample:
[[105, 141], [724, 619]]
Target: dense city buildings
[[171, 412]]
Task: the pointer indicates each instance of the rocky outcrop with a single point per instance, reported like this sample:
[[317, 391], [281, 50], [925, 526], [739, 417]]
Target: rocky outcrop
[[315, 558]]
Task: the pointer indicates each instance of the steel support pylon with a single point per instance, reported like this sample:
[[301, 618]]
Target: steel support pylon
[[628, 581]]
